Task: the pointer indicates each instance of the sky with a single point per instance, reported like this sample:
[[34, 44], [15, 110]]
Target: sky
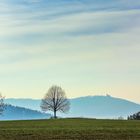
[[88, 47]]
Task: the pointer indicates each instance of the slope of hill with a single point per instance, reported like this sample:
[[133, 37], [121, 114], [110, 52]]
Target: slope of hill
[[102, 107], [27, 103], [21, 113], [89, 106]]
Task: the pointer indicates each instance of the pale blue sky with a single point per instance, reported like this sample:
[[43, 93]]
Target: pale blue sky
[[89, 47]]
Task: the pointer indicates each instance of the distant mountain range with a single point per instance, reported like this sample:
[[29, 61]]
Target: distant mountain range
[[20, 113], [89, 106]]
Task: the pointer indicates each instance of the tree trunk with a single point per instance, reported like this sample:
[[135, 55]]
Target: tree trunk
[[55, 114]]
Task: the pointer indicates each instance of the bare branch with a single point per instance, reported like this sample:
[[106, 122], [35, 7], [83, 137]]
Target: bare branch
[[55, 100]]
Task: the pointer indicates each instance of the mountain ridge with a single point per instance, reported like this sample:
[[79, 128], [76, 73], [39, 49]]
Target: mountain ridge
[[97, 106], [107, 95], [12, 112], [90, 96]]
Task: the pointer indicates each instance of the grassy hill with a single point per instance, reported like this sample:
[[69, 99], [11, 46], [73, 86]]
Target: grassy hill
[[70, 129]]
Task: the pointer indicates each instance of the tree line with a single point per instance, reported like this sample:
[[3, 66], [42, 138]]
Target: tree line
[[135, 116]]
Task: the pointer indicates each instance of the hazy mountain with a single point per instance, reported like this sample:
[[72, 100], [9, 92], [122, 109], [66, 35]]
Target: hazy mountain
[[27, 103], [102, 107], [90, 106], [21, 113]]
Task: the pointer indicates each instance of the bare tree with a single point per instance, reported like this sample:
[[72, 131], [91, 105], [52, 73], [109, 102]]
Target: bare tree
[[1, 104], [55, 100]]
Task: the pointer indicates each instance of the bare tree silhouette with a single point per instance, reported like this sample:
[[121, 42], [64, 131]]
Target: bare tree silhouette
[[55, 100], [1, 104]]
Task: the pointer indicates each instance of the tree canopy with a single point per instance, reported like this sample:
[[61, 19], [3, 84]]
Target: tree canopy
[[55, 100]]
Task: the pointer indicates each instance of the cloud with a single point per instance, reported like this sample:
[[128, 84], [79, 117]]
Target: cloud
[[77, 42]]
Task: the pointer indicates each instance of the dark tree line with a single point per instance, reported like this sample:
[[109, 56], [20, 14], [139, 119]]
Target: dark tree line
[[135, 116]]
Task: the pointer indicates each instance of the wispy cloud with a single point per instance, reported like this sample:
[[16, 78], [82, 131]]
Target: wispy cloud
[[95, 41]]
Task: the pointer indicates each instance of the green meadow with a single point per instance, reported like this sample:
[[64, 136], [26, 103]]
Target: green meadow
[[70, 129]]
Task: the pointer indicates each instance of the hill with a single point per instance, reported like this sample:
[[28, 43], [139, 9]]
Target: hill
[[21, 113], [70, 129], [102, 107], [89, 106], [27, 103]]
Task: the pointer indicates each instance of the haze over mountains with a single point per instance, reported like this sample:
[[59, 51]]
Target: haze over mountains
[[21, 113], [89, 106]]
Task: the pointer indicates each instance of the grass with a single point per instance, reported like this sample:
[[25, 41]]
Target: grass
[[70, 129]]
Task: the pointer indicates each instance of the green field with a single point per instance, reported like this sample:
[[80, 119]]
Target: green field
[[70, 129]]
